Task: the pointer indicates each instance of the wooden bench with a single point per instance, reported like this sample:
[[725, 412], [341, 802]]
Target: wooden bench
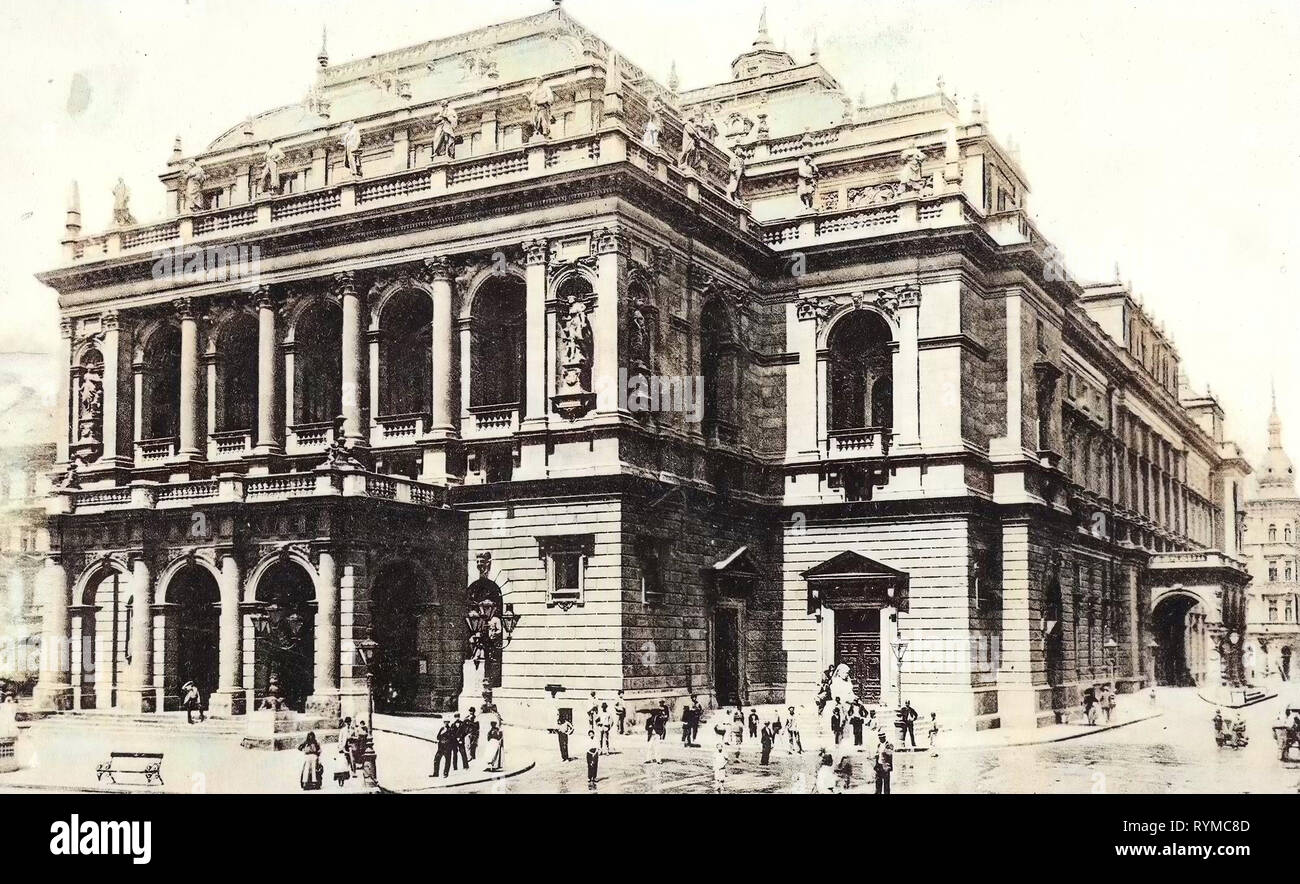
[[147, 764]]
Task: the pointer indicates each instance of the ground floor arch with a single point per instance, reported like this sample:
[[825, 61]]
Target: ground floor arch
[[191, 634], [283, 634], [1182, 640], [406, 626], [102, 640]]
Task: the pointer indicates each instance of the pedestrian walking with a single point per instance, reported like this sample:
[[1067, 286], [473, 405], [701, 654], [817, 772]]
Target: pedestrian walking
[[753, 724], [826, 783], [472, 729], [767, 738], [837, 722], [341, 758], [1090, 704], [908, 717], [661, 720], [792, 732], [933, 733], [563, 730], [1108, 704], [592, 709], [697, 717], [593, 759], [738, 727], [620, 713], [856, 720], [191, 701], [495, 748], [719, 769], [604, 724], [310, 778], [884, 765], [652, 737]]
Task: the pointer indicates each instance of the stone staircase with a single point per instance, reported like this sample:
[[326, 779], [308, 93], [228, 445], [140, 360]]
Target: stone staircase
[[166, 723]]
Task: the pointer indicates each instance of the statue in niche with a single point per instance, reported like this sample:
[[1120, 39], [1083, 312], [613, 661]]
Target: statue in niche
[[541, 100], [122, 216], [653, 126], [638, 343], [195, 201], [808, 173], [575, 346], [444, 131], [269, 178], [91, 396]]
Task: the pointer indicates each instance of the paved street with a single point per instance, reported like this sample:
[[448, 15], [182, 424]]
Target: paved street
[[1173, 752]]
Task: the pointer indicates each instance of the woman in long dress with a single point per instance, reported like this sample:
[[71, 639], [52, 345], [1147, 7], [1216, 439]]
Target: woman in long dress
[[311, 766], [495, 748]]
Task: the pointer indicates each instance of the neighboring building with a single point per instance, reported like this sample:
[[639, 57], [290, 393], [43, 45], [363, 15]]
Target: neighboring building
[[1272, 551], [922, 450], [26, 460]]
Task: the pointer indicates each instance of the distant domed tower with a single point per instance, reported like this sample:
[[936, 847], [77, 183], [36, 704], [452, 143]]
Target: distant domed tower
[[1276, 473]]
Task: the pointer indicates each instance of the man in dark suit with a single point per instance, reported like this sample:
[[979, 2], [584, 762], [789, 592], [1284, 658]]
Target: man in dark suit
[[768, 737], [443, 740], [837, 722], [884, 765], [908, 717], [473, 728], [458, 757], [697, 715]]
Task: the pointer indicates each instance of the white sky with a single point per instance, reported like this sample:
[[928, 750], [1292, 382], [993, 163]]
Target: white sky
[[1159, 134]]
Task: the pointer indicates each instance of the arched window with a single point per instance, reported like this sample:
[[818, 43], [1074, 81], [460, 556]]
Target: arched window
[[861, 373], [317, 364], [405, 351], [237, 374], [89, 393], [718, 364], [1272, 534], [497, 362], [160, 402]]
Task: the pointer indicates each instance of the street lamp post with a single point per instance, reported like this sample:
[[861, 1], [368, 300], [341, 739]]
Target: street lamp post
[[1112, 648], [899, 647], [369, 760]]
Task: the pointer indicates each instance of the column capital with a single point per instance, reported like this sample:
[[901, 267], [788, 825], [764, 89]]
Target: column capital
[[344, 283], [536, 252], [184, 308], [438, 268], [609, 241], [111, 321], [67, 327], [263, 299]]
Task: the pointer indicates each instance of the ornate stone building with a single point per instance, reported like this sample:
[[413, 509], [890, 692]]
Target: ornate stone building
[[1272, 552], [732, 384]]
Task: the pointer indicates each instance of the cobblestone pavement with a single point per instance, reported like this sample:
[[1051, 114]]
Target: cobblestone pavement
[[1171, 753]]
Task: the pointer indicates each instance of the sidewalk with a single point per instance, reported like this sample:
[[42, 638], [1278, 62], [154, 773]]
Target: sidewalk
[[406, 747]]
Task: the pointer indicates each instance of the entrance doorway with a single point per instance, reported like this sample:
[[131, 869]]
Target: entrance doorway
[[857, 645], [395, 615], [1176, 622], [726, 656], [285, 648], [194, 591], [105, 640]]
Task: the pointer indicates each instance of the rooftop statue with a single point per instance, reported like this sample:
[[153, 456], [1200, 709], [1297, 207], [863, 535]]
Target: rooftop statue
[[541, 100], [808, 173], [195, 201], [352, 149], [689, 156], [122, 216], [269, 179], [653, 126], [735, 173], [444, 131], [910, 175]]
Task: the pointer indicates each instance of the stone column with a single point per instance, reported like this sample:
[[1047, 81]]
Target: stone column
[[538, 365], [63, 422], [907, 379], [54, 686], [268, 357], [325, 692], [111, 325], [140, 693], [610, 245], [229, 698], [353, 376], [189, 381], [442, 397]]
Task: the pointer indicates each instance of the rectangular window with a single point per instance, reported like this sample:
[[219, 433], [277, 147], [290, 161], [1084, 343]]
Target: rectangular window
[[650, 558], [566, 568], [1272, 611]]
